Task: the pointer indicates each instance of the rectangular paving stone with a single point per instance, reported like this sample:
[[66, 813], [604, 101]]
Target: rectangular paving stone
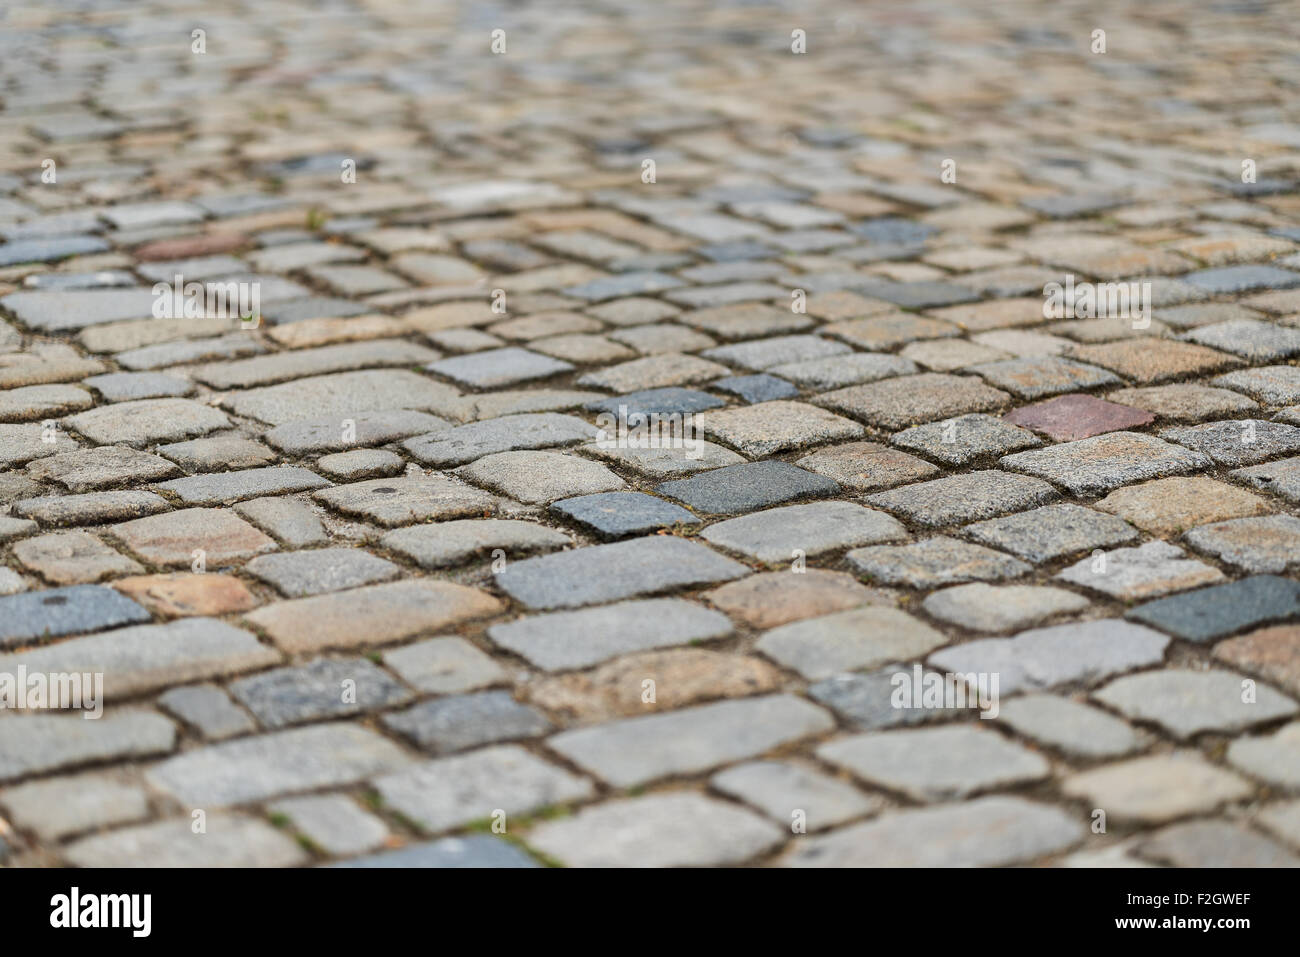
[[231, 840], [1069, 726], [40, 743], [966, 438], [749, 486], [318, 690], [986, 832], [448, 543], [636, 751], [779, 788], [59, 807], [444, 666], [216, 488], [72, 557], [147, 421], [450, 792], [1228, 279], [475, 850], [604, 573], [1157, 788], [1132, 574], [354, 430], [62, 310], [1237, 442], [145, 657], [456, 722], [342, 395], [1211, 613], [465, 443], [408, 499], [619, 514], [961, 498], [373, 615], [498, 367], [1053, 531], [785, 534], [896, 404], [282, 366], [208, 709], [298, 574], [55, 612], [1070, 417], [1104, 462], [269, 765], [758, 430], [662, 830], [1186, 703], [333, 823], [846, 641], [577, 639], [934, 561], [175, 538]]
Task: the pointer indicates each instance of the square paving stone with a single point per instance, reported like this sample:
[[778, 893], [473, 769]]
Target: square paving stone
[[769, 599], [1070, 417], [743, 488], [56, 612], [1040, 376], [540, 477], [23, 443], [72, 558], [457, 722], [372, 615], [208, 709], [1206, 844], [784, 534], [1184, 401], [405, 500], [755, 388], [325, 688], [1272, 653], [765, 353], [898, 403], [984, 607], [867, 466], [1105, 462], [1157, 788], [1147, 359], [465, 443], [656, 402], [1252, 340], [1170, 506], [681, 829], [88, 470], [1069, 726], [443, 544], [780, 789], [1272, 385], [966, 438], [296, 574], [1266, 544], [605, 573], [934, 561], [635, 751], [1242, 278], [1281, 478], [1219, 611], [580, 639], [450, 792], [444, 666], [1239, 441], [1272, 757], [333, 823], [498, 367], [619, 514], [961, 498], [769, 427], [986, 832], [174, 538], [1042, 658], [932, 764], [147, 421], [1186, 703], [1053, 531], [864, 637], [269, 765], [1132, 574]]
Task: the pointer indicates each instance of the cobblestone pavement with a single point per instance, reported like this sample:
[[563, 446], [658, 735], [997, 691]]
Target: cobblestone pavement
[[374, 574]]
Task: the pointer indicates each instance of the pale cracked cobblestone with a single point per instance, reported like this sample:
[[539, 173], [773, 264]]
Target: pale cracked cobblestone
[[605, 454]]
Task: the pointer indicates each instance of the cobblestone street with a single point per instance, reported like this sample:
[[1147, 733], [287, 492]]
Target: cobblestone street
[[806, 434]]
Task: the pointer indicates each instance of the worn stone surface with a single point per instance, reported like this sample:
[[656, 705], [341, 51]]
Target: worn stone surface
[[1211, 613], [1104, 462], [1170, 506], [1130, 574], [932, 562], [848, 640], [1157, 788], [774, 598], [1000, 607], [1185, 703]]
